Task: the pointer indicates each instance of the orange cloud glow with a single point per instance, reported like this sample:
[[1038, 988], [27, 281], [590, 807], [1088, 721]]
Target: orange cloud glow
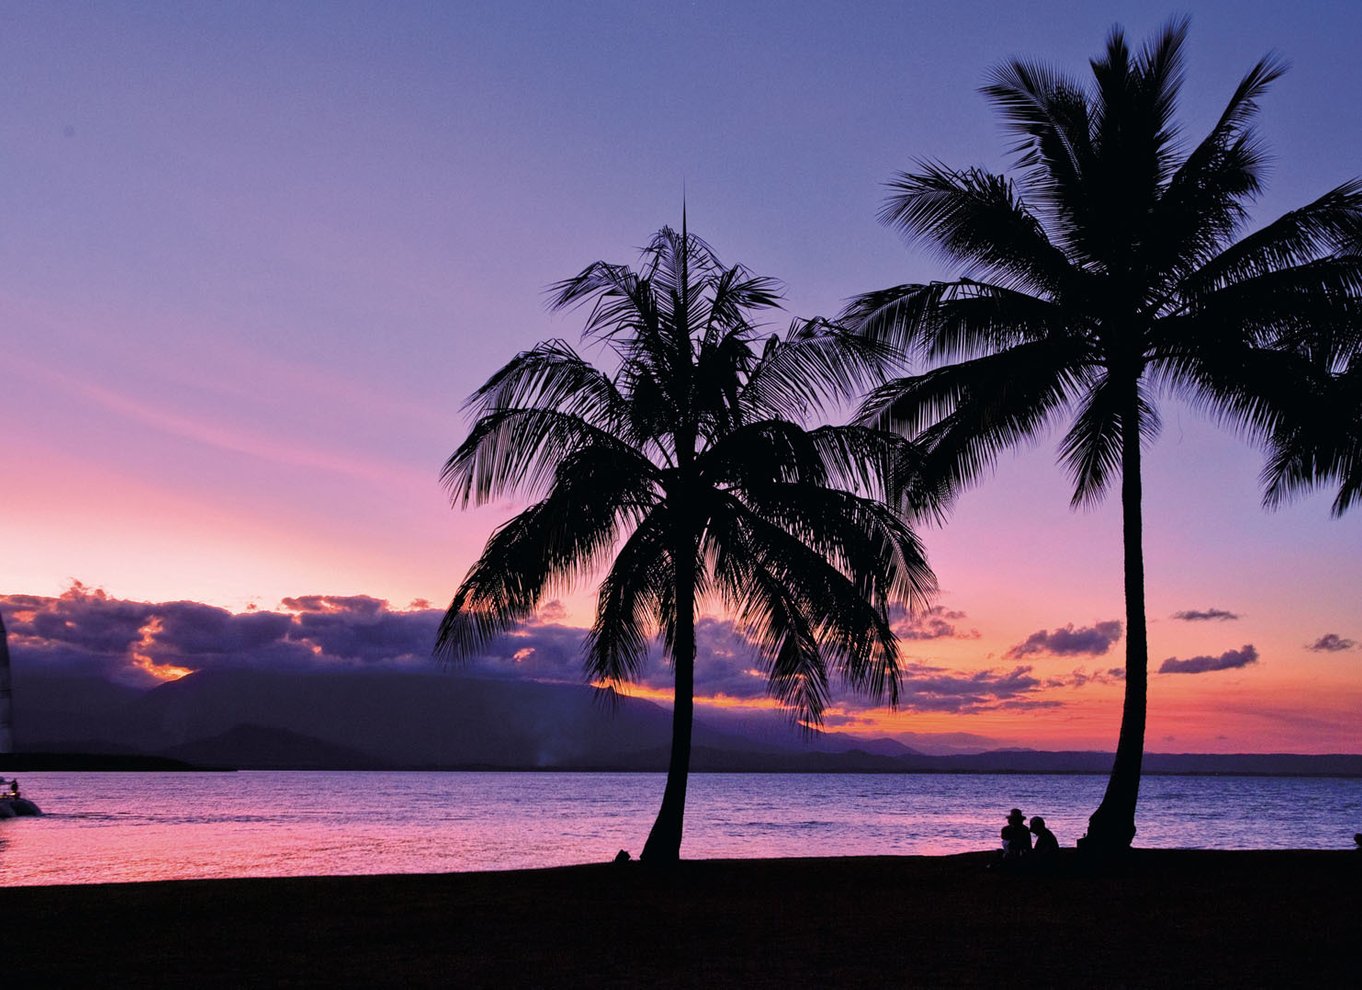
[[143, 661]]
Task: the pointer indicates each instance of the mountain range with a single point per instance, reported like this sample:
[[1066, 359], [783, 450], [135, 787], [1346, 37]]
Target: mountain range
[[255, 719]]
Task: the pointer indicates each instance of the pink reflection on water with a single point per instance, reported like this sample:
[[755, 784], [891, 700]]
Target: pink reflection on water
[[122, 827]]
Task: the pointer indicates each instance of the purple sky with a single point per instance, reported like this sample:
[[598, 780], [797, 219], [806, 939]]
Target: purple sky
[[256, 255]]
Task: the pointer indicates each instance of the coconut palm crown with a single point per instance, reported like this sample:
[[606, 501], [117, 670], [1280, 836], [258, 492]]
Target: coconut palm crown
[[684, 476], [1108, 270]]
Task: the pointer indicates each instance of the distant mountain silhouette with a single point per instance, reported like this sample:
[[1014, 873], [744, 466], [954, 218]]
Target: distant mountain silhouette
[[256, 747], [385, 719], [409, 720], [63, 708]]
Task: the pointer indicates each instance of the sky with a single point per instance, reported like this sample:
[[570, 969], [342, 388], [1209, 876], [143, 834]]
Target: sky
[[256, 256]]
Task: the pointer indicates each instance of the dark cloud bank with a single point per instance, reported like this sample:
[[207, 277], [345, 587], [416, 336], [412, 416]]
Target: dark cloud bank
[[88, 632], [1092, 641], [1229, 660]]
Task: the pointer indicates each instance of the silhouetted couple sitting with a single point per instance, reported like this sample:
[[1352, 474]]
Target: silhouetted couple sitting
[[1017, 847]]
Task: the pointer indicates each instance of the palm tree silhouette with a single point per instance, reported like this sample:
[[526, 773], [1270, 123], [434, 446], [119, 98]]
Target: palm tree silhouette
[[685, 475], [1106, 273]]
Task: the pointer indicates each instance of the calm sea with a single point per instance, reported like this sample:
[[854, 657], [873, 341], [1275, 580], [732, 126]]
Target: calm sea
[[101, 827]]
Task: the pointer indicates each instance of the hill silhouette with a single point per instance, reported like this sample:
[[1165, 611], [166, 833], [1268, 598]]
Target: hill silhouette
[[256, 719]]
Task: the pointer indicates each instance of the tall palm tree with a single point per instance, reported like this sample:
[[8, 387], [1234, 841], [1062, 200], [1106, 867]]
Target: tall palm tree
[[1105, 273], [684, 473]]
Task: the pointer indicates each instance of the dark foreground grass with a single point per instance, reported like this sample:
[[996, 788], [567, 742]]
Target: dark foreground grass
[[1172, 918]]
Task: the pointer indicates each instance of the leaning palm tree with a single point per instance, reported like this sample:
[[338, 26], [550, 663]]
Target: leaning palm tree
[[685, 475], [1105, 273]]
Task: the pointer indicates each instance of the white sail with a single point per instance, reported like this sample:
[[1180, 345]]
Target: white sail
[[6, 695]]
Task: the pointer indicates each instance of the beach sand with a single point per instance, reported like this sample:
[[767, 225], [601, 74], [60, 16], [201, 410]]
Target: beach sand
[[1172, 917]]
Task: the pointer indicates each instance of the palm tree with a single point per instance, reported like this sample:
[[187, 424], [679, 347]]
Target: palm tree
[[1106, 273], [684, 474]]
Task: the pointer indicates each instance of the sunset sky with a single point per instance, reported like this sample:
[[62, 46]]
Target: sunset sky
[[256, 256]]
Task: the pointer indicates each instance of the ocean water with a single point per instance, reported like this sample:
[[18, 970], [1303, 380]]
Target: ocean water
[[104, 827]]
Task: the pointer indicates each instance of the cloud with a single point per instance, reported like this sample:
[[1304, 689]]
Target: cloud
[[1091, 640], [85, 631], [924, 688], [1081, 678], [1229, 660], [935, 623], [1331, 643], [554, 611], [1206, 615], [726, 663]]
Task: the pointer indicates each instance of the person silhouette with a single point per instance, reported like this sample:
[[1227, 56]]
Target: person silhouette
[[1016, 836], [1046, 843]]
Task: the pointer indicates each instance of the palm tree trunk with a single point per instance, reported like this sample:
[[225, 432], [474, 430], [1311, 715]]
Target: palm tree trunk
[[664, 841], [1112, 826]]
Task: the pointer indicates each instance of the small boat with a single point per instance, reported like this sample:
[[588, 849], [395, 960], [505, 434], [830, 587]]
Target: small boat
[[13, 807]]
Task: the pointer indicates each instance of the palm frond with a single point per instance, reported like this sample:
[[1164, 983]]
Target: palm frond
[[1313, 308], [881, 465], [818, 363], [1132, 120], [630, 598], [517, 452], [733, 294], [799, 605], [962, 416], [950, 320], [1203, 204], [550, 545], [974, 217], [762, 452], [1329, 225], [1051, 113], [1316, 436], [1092, 447], [552, 376]]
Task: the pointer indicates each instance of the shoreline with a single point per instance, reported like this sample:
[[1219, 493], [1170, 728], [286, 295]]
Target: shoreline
[[1185, 917]]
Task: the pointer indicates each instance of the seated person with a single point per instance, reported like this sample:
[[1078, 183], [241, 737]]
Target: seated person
[[1046, 843], [1016, 836]]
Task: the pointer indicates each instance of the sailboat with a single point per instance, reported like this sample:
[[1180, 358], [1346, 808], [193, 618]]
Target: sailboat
[[11, 804]]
